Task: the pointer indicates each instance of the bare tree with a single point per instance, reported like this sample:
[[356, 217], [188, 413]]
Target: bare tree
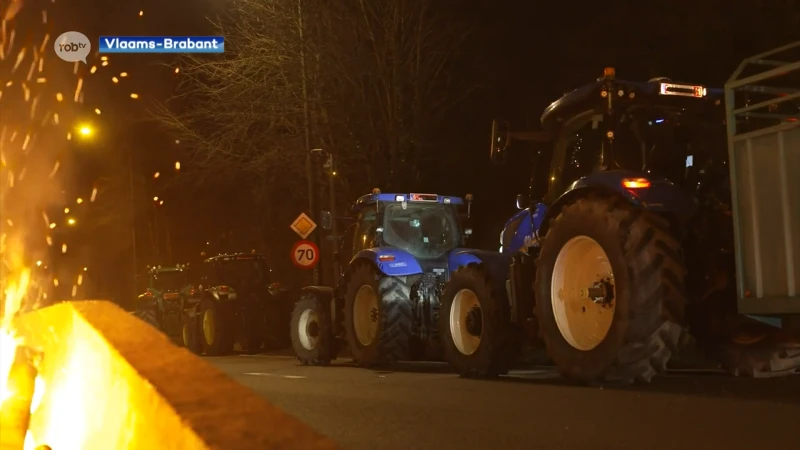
[[388, 74], [378, 77]]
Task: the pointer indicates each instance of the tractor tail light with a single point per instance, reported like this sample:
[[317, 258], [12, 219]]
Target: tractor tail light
[[636, 183]]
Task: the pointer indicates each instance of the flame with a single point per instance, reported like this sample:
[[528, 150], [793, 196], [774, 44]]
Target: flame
[[9, 342]]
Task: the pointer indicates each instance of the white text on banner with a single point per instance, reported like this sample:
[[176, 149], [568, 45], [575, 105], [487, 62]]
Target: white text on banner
[[161, 44]]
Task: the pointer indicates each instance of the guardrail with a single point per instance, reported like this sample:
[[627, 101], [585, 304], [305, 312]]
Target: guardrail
[[106, 380]]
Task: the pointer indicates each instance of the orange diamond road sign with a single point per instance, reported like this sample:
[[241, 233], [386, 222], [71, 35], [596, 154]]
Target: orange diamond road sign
[[303, 226]]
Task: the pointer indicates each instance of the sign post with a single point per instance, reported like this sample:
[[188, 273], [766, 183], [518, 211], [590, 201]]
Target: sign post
[[305, 254]]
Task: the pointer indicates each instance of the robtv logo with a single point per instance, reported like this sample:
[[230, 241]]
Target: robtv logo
[[73, 46]]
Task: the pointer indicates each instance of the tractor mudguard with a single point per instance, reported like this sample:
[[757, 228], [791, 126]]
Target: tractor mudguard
[[146, 301], [392, 262], [661, 196], [497, 265], [323, 292], [459, 257], [519, 230]]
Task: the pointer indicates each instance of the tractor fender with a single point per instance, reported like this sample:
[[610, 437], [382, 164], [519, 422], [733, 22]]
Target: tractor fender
[[146, 301], [497, 265], [392, 262], [522, 229], [461, 257], [662, 196], [218, 296], [323, 292]]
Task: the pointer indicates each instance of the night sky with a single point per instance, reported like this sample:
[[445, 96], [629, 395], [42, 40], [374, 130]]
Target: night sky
[[521, 55]]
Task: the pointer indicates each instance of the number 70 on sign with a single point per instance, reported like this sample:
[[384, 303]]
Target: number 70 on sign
[[305, 254]]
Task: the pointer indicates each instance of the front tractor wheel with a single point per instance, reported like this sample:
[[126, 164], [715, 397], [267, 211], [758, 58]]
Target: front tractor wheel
[[475, 326], [311, 331], [608, 279], [378, 317]]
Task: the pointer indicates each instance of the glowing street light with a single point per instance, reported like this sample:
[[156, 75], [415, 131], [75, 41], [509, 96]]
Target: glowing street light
[[161, 202], [66, 210], [157, 174], [79, 200], [155, 199], [177, 165], [85, 130], [71, 221], [38, 264]]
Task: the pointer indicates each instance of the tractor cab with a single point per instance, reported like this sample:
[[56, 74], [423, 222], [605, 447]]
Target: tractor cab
[[644, 132], [169, 283], [426, 226], [637, 139]]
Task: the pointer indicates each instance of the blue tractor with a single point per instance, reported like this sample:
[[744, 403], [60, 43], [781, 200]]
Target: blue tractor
[[385, 307], [655, 208]]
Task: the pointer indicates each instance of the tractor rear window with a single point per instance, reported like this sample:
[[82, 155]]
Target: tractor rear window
[[424, 230], [243, 272], [170, 281]]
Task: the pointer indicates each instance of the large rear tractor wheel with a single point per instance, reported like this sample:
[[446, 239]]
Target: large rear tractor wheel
[[378, 317], [475, 325], [216, 333], [312, 331], [190, 332], [150, 316], [609, 286]]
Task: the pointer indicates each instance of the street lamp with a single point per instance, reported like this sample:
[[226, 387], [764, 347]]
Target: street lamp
[[71, 221], [85, 130]]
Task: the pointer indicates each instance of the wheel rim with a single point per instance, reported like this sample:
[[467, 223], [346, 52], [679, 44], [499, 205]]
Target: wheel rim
[[582, 270], [466, 320], [209, 326], [308, 329], [365, 315]]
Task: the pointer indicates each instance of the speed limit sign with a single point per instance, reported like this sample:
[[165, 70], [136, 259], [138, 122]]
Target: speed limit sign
[[305, 254]]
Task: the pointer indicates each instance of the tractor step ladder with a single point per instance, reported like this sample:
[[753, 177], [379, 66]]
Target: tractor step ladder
[[764, 152]]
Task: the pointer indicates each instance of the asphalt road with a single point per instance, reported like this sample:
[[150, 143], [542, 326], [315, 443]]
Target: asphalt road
[[426, 407]]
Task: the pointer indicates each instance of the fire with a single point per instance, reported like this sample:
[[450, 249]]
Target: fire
[[14, 294]]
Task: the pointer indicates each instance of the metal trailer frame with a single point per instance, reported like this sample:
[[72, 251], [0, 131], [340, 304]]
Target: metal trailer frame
[[765, 187]]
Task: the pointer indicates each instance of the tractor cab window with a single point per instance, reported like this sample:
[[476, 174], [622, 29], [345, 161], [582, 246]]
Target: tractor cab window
[[426, 230], [582, 141], [364, 233], [170, 281], [678, 145], [243, 271]]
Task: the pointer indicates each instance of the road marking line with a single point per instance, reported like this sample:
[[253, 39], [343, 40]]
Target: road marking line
[[263, 374], [269, 356]]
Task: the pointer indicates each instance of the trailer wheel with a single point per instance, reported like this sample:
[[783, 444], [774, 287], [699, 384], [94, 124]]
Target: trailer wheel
[[378, 317], [477, 336], [609, 278], [743, 346], [216, 334], [311, 331]]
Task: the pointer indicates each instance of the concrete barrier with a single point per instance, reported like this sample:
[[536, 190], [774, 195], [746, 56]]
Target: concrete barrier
[[110, 381]]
